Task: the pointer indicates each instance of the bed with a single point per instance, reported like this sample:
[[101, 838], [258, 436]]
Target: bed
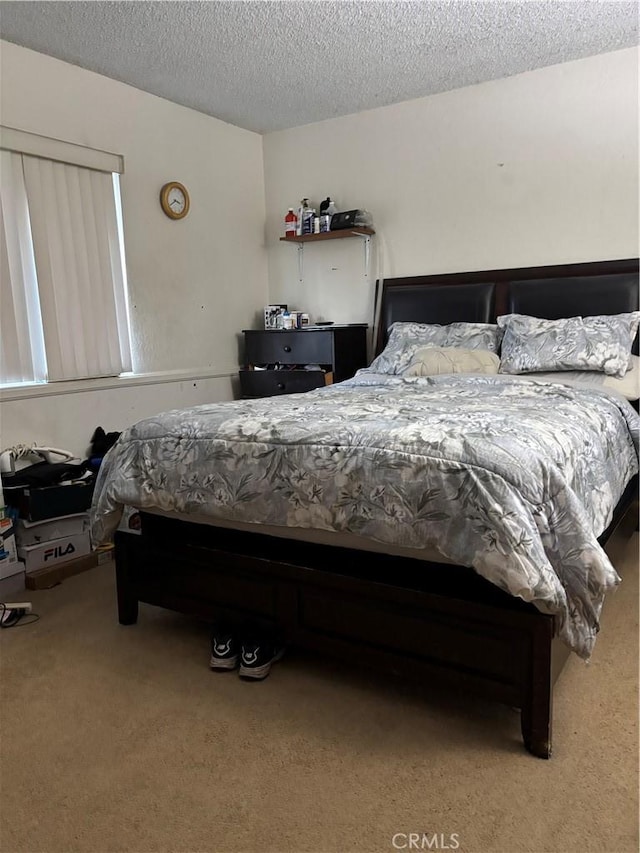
[[410, 608]]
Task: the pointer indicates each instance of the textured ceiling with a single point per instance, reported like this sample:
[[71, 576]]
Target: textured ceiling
[[271, 65]]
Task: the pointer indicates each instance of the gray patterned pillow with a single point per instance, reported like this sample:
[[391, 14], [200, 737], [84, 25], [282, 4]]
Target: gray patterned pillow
[[406, 338], [601, 343]]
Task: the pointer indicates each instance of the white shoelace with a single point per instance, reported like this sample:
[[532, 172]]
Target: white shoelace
[[10, 455]]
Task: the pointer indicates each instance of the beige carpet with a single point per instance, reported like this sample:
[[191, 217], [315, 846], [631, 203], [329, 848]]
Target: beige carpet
[[120, 738]]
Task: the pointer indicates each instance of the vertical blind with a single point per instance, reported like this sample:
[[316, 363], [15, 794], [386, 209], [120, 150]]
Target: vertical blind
[[21, 341], [71, 225]]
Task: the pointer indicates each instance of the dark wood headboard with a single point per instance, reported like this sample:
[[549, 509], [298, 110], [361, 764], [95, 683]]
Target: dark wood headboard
[[567, 290]]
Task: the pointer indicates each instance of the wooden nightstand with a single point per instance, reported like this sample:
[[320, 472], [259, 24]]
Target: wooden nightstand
[[339, 350]]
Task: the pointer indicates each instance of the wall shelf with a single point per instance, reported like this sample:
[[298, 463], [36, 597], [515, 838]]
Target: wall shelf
[[330, 235], [356, 231]]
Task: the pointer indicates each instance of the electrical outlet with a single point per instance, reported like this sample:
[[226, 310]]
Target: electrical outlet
[[18, 605]]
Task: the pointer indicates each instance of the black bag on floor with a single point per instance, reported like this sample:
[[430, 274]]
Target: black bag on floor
[[45, 473]]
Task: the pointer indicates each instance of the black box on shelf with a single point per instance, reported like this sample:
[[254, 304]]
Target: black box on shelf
[[38, 504], [345, 219]]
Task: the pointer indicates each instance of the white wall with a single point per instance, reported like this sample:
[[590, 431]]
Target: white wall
[[540, 168], [68, 420], [194, 283]]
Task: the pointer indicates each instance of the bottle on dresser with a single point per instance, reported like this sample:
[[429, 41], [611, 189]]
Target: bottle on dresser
[[288, 321]]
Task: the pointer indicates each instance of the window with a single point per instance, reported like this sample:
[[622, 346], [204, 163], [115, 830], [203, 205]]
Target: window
[[63, 301]]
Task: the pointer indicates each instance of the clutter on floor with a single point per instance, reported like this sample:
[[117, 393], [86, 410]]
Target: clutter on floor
[[44, 514], [11, 569], [101, 443]]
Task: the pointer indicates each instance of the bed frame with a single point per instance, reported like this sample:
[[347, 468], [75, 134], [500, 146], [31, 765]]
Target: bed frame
[[422, 620]]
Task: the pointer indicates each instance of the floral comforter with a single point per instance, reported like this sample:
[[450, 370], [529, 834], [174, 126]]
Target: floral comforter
[[514, 478]]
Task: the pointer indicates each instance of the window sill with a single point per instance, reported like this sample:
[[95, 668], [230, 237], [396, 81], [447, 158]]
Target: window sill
[[126, 380]]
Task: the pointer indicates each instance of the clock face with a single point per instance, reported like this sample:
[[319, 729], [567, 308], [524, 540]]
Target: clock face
[[174, 200]]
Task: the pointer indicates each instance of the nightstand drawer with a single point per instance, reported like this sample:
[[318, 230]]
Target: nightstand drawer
[[338, 350], [266, 383], [289, 347]]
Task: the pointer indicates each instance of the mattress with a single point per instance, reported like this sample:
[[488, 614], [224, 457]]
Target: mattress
[[513, 478], [316, 537]]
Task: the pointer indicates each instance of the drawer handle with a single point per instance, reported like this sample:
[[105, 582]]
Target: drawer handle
[[280, 386], [287, 349]]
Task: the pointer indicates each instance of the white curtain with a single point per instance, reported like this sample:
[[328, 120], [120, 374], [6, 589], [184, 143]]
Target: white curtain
[[79, 269], [21, 342]]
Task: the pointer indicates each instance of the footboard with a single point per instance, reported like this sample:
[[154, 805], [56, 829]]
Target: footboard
[[428, 621]]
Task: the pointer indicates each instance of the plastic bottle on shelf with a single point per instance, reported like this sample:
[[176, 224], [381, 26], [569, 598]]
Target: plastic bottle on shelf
[[304, 206], [290, 223], [330, 209], [307, 221], [324, 205], [316, 223]]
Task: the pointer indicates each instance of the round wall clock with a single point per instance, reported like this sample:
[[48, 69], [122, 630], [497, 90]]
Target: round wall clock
[[174, 200]]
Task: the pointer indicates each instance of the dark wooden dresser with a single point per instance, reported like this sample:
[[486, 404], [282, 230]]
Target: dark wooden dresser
[[338, 351]]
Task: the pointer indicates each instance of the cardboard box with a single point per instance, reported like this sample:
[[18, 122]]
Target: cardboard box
[[50, 501], [37, 532], [7, 529], [54, 551], [53, 575], [9, 564]]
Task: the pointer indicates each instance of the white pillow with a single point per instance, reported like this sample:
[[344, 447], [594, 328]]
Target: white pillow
[[628, 386], [433, 361]]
